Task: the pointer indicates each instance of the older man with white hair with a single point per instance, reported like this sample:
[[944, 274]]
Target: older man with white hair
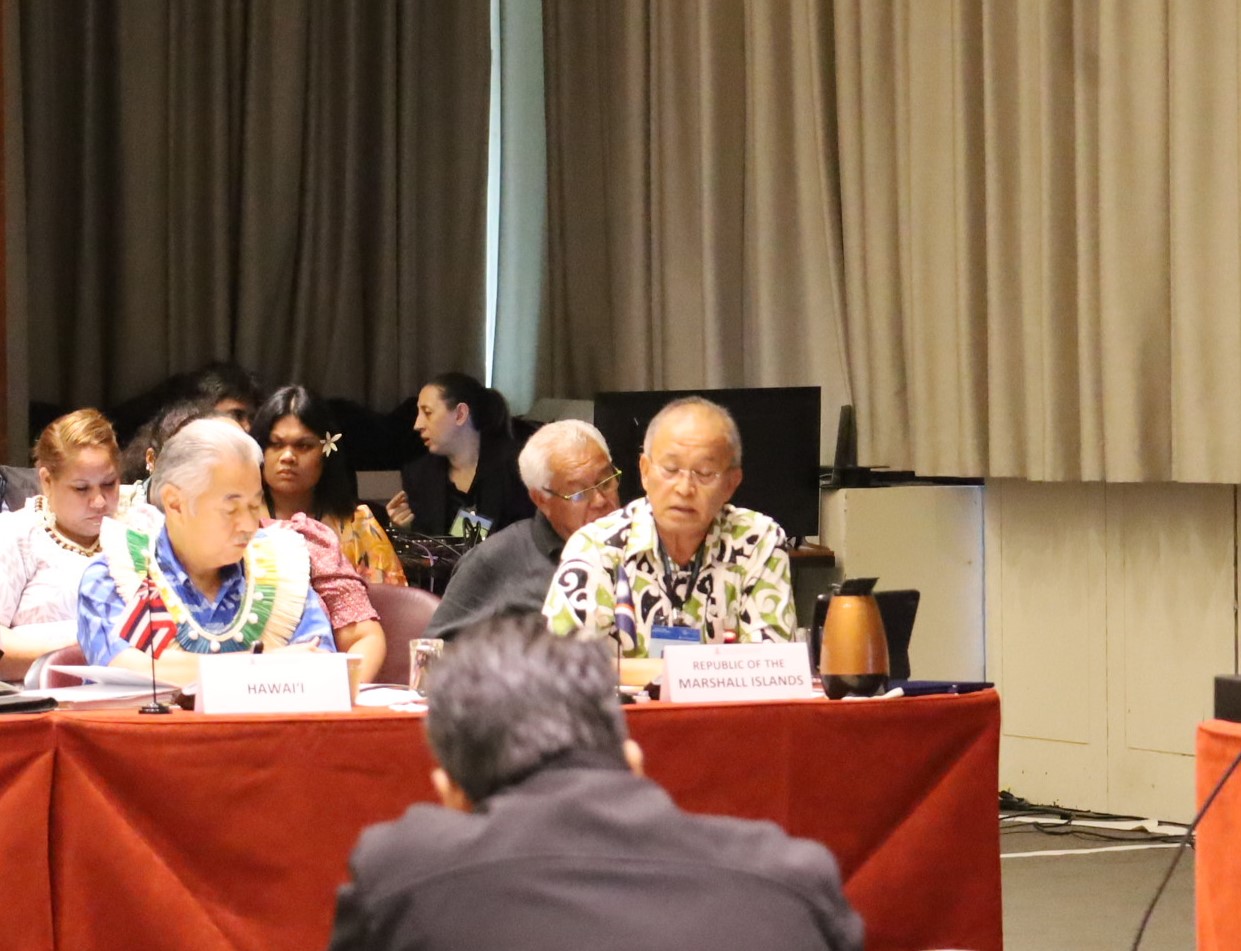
[[568, 472], [210, 581], [681, 563]]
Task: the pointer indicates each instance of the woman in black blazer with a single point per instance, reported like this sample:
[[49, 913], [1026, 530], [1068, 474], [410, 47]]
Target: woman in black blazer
[[470, 470]]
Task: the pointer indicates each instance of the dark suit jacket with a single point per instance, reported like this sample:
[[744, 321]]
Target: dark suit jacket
[[510, 569], [589, 859], [498, 490]]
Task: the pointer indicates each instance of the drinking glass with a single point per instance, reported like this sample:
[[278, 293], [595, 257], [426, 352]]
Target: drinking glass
[[423, 653]]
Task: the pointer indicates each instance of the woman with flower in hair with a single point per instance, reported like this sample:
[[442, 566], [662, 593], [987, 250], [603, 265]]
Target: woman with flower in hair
[[305, 470], [45, 547]]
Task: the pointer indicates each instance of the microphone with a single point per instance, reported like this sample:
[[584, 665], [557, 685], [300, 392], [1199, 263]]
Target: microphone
[[621, 695], [154, 706]]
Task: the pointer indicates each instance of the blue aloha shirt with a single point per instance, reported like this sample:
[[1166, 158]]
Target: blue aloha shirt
[[101, 606], [742, 589]]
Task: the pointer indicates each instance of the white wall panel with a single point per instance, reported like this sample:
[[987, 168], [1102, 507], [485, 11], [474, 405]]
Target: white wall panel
[[1110, 609], [1046, 622], [1171, 624]]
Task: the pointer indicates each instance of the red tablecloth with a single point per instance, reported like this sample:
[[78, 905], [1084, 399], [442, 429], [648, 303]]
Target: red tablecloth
[[1217, 862], [232, 833], [903, 792], [220, 832], [26, 762]]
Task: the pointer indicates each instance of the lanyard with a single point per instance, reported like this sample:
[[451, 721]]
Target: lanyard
[[669, 585]]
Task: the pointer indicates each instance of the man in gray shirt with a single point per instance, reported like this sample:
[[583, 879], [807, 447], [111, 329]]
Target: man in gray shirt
[[568, 471]]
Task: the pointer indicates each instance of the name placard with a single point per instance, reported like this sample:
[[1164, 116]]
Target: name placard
[[709, 673], [273, 683]]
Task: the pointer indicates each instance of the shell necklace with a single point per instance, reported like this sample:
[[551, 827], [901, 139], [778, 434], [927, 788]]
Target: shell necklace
[[48, 518], [257, 601]]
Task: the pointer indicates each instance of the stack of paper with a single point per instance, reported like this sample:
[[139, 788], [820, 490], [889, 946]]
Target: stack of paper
[[112, 688]]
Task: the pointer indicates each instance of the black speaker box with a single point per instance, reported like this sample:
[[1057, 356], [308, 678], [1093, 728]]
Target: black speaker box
[[1228, 698]]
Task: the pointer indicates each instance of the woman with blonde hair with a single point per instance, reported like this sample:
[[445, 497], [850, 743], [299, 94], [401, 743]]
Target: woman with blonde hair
[[45, 546]]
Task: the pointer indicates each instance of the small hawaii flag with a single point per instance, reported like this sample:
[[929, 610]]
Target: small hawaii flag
[[624, 613], [148, 625]]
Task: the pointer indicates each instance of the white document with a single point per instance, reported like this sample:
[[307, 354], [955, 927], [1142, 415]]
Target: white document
[[115, 676], [384, 695], [102, 696]]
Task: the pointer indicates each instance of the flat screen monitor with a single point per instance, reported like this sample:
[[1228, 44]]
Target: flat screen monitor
[[779, 443]]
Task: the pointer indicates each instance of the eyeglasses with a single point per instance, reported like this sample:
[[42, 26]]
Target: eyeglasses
[[671, 473], [602, 486]]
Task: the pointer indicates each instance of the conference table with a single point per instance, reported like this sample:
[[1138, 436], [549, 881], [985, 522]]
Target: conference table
[[1217, 860], [223, 832]]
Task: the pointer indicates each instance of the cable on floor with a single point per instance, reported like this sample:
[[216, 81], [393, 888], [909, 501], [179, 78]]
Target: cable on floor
[[1021, 815], [1176, 857]]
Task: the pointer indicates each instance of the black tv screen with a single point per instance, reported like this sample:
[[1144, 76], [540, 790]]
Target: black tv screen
[[779, 445]]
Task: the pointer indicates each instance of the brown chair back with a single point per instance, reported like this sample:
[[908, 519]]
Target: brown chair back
[[40, 676], [404, 614]]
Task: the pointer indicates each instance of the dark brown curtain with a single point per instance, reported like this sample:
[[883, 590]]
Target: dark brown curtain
[[4, 364], [297, 185]]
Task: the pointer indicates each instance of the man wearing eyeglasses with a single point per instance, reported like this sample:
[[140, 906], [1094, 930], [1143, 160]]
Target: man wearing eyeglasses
[[568, 472], [680, 564]]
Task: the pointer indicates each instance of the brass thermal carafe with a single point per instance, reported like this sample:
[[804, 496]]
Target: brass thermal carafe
[[854, 658]]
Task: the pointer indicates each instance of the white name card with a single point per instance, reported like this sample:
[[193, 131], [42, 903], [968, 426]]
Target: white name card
[[709, 673], [273, 683]]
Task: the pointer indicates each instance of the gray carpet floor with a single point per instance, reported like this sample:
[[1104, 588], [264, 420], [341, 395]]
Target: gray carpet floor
[[1092, 899]]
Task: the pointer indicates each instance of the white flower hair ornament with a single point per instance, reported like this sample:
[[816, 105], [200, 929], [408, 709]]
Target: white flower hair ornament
[[328, 442]]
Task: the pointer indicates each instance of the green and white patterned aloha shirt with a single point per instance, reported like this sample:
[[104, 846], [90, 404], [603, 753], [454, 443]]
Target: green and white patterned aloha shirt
[[742, 587]]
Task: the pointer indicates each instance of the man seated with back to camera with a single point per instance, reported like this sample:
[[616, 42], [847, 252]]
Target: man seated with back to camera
[[210, 581], [550, 838], [680, 562], [569, 474]]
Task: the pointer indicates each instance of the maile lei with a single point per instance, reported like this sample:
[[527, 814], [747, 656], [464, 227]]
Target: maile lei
[[277, 571]]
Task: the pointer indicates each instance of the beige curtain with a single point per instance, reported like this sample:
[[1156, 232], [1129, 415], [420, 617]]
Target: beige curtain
[[693, 215], [1040, 233], [1042, 236], [911, 129]]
